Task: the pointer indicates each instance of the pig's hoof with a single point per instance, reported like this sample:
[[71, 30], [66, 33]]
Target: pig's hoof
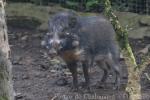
[[101, 85], [116, 87], [88, 89], [74, 89], [61, 82]]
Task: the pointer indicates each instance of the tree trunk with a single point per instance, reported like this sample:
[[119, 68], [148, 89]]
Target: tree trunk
[[6, 88], [134, 71]]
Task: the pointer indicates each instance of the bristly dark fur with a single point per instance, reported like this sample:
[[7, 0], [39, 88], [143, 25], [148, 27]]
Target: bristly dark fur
[[97, 42]]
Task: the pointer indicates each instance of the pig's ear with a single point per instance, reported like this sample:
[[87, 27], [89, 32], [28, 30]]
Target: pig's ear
[[73, 21]]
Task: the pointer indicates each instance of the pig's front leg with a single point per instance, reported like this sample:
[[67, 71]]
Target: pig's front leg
[[73, 69]]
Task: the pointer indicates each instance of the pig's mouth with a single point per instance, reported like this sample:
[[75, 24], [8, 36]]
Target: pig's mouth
[[52, 53], [56, 53], [60, 43], [55, 50]]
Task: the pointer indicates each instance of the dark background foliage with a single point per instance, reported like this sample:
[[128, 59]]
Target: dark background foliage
[[137, 6]]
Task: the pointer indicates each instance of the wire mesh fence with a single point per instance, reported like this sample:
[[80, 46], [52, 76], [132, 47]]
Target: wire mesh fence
[[136, 6]]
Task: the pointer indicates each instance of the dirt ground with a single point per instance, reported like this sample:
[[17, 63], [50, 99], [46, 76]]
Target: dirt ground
[[36, 79]]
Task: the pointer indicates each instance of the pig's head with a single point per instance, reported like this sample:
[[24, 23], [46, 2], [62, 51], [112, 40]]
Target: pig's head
[[62, 33]]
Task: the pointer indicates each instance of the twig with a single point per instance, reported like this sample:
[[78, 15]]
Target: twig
[[147, 76], [54, 97]]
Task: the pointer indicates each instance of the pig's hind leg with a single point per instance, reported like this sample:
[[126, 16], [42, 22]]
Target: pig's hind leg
[[105, 69], [102, 65], [115, 68], [85, 66]]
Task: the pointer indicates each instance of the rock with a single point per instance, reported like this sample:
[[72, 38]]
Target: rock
[[24, 38], [43, 27], [145, 21], [48, 76], [17, 60], [121, 57], [61, 82], [68, 73], [53, 71], [39, 75], [25, 77], [139, 33], [18, 96], [145, 50], [135, 23], [44, 55], [36, 35], [43, 67], [54, 61]]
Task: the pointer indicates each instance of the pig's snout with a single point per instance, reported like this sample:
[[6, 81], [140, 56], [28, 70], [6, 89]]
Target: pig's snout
[[75, 43], [55, 44], [52, 52]]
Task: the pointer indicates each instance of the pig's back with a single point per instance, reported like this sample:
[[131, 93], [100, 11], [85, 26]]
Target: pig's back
[[97, 35]]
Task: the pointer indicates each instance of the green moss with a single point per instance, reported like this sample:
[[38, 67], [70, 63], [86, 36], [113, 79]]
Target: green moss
[[4, 98], [145, 21], [27, 9], [128, 18], [87, 14], [1, 76], [30, 11]]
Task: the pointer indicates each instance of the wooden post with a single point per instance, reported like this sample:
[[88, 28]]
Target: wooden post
[[6, 87], [134, 71], [3, 31]]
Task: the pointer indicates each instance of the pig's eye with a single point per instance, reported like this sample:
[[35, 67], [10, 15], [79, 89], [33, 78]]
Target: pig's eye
[[49, 35], [63, 43], [64, 29], [64, 35]]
